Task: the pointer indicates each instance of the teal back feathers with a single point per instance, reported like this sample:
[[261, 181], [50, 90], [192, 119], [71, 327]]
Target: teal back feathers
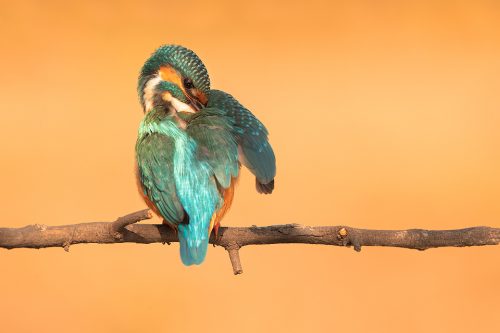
[[218, 146]]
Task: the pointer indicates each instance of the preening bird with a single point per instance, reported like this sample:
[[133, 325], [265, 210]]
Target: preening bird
[[191, 144]]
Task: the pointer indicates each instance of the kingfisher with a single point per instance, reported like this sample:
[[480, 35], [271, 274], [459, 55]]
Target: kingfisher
[[191, 144]]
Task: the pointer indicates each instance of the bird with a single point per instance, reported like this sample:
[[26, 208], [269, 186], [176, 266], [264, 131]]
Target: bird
[[191, 144]]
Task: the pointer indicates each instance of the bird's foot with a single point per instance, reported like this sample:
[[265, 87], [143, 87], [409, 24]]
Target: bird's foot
[[216, 234]]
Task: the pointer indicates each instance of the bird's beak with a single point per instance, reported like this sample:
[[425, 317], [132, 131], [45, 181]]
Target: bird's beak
[[195, 104]]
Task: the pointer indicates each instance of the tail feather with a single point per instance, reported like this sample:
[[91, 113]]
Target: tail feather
[[193, 251]]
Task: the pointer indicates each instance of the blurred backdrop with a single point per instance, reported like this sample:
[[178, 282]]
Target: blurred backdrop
[[383, 114]]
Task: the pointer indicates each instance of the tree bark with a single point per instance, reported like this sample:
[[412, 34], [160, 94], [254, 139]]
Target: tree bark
[[123, 230]]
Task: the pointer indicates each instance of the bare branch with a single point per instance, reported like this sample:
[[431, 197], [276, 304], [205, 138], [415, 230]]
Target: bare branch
[[123, 230]]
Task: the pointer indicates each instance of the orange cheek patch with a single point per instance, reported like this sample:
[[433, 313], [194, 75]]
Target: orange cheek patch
[[169, 74]]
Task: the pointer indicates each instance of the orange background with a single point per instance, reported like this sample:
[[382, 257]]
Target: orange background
[[382, 115]]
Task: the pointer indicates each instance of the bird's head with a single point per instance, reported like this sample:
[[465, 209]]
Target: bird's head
[[174, 78]]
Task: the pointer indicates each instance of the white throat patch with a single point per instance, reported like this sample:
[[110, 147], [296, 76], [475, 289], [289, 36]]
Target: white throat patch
[[149, 91]]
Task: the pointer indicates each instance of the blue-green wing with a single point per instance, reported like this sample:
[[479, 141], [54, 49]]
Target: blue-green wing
[[216, 143], [156, 171], [252, 137]]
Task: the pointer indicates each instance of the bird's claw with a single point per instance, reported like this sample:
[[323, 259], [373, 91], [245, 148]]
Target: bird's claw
[[217, 236]]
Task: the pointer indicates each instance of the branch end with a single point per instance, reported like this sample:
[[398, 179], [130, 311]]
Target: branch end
[[234, 256]]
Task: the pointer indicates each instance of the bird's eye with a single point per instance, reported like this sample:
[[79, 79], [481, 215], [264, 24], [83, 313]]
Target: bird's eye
[[188, 83]]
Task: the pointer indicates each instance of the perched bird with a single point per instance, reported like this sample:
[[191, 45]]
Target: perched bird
[[190, 146]]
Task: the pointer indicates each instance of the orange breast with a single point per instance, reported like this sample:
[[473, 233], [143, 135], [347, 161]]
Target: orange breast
[[228, 195]]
